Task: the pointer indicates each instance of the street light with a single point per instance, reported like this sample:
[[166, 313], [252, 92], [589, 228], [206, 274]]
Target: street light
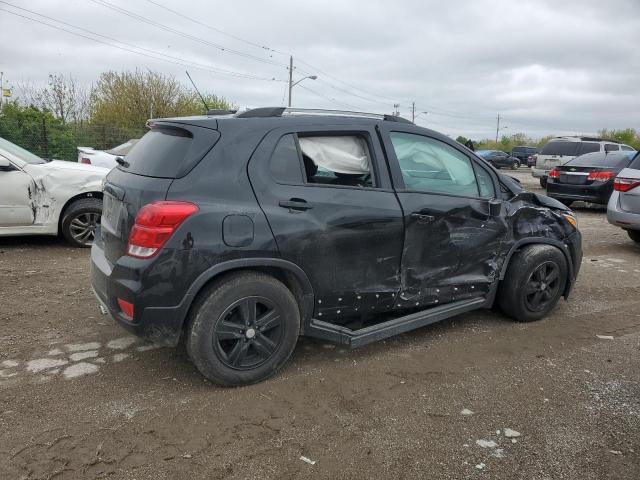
[[291, 85]]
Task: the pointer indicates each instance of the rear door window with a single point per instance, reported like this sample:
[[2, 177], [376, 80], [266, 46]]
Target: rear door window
[[285, 161], [169, 152], [337, 160], [560, 147]]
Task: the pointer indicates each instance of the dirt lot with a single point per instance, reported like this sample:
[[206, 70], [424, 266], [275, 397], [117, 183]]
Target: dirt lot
[[79, 398]]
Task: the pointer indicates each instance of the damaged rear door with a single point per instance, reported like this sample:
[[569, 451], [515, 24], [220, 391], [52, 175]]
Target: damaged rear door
[[333, 213], [16, 187], [453, 226]]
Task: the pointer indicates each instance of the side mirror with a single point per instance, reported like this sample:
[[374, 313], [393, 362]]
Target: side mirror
[[495, 207], [6, 165]]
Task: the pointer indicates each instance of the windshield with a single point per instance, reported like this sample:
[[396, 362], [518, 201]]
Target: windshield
[[601, 159], [19, 152], [560, 147]]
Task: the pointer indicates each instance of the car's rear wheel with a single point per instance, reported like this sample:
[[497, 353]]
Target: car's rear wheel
[[634, 235], [80, 220], [543, 182], [243, 329], [534, 283], [515, 165]]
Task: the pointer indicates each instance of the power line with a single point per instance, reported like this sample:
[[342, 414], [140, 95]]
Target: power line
[[222, 32], [180, 33], [151, 53]]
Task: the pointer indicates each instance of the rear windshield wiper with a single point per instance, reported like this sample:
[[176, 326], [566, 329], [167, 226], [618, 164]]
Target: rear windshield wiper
[[122, 162]]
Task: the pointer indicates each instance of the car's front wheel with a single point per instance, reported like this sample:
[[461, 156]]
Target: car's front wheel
[[515, 165], [634, 235], [534, 283], [80, 220], [243, 329]]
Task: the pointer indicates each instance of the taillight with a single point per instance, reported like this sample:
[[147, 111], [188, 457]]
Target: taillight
[[126, 307], [625, 184], [554, 173], [85, 160], [601, 176], [155, 223]]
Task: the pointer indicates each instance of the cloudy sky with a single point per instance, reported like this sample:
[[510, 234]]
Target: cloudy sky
[[547, 67]]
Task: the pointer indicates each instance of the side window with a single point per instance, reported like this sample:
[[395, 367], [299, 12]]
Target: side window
[[337, 160], [285, 161], [626, 149], [611, 147], [589, 147], [429, 165], [485, 184]]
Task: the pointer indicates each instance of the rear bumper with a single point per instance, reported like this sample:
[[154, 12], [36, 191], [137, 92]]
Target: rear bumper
[[621, 218], [162, 325], [539, 173], [586, 193]]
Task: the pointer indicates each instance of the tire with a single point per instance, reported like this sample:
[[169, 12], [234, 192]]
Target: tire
[[515, 165], [80, 220], [543, 182], [634, 235], [231, 347], [523, 286]]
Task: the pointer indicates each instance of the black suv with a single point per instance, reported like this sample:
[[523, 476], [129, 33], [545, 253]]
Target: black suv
[[238, 233], [523, 154]]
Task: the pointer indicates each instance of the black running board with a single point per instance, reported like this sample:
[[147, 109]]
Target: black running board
[[356, 338]]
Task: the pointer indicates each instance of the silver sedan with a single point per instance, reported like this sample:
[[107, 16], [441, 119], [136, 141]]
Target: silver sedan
[[623, 209]]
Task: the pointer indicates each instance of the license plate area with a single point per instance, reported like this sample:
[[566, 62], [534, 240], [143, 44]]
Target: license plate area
[[573, 178], [111, 211]]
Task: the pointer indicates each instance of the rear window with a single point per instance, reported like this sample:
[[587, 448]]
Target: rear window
[[560, 148], [600, 159], [636, 162], [519, 149], [169, 152], [589, 147]]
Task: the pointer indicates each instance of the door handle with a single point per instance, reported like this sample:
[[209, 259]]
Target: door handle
[[423, 217], [295, 204]]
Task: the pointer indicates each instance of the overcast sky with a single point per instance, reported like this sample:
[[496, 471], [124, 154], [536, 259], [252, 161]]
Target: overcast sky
[[548, 67]]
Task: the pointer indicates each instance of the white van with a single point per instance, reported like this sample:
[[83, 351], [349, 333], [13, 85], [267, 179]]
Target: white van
[[560, 150]]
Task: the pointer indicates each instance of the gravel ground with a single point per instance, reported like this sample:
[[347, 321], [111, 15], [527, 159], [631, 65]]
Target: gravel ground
[[477, 396]]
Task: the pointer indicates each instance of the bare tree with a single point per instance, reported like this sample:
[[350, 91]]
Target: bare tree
[[63, 96]]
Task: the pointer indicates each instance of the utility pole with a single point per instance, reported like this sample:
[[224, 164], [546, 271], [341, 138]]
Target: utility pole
[[413, 111], [290, 78], [396, 113], [497, 128]]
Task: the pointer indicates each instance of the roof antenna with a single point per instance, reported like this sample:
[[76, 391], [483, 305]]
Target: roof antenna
[[197, 91]]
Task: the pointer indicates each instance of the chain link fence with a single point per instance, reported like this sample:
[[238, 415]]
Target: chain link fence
[[51, 139]]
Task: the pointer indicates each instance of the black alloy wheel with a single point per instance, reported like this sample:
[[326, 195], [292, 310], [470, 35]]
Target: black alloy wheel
[[542, 286], [248, 333]]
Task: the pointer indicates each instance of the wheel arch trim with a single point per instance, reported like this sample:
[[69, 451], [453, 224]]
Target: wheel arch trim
[[563, 247]]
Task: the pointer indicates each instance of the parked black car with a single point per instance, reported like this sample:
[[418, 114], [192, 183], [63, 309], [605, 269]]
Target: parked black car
[[524, 154], [587, 177], [499, 159], [240, 233]]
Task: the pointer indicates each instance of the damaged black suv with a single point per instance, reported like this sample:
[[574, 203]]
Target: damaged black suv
[[238, 233]]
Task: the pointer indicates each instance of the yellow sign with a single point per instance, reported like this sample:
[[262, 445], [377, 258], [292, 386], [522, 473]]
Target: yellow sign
[[6, 92]]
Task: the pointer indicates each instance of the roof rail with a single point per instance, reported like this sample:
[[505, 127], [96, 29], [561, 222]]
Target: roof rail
[[283, 111]]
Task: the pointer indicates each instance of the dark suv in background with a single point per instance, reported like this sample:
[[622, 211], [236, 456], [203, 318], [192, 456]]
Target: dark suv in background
[[524, 154], [238, 233]]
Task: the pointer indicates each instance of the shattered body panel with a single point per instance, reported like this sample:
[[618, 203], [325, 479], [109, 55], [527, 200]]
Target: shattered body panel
[[39, 193]]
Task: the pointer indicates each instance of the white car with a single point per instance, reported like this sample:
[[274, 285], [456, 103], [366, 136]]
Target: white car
[[105, 158], [48, 198]]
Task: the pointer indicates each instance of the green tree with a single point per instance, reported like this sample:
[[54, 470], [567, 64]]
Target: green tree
[[128, 99]]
